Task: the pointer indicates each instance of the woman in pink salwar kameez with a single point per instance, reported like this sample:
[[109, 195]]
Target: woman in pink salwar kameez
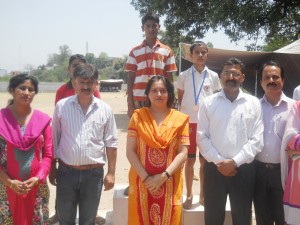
[[290, 167], [25, 156]]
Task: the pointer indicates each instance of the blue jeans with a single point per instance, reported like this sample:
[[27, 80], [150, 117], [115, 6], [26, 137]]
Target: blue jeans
[[80, 188]]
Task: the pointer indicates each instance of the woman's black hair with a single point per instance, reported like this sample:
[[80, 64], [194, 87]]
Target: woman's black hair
[[169, 87], [16, 80]]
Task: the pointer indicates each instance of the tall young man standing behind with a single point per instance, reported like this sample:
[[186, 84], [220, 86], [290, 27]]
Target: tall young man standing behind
[[148, 59]]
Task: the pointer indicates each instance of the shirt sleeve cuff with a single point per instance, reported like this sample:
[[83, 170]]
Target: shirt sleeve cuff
[[294, 142], [238, 159]]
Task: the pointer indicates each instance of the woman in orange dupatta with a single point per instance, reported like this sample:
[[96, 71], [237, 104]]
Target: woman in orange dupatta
[[157, 143]]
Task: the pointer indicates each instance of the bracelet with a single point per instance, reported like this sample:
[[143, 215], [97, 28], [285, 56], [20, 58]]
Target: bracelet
[[167, 174], [11, 183], [146, 178]]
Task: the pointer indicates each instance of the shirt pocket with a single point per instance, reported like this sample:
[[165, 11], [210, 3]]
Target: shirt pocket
[[279, 126], [96, 130], [245, 121]]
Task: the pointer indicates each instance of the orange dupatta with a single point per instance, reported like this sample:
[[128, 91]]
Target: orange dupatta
[[157, 148], [148, 129]]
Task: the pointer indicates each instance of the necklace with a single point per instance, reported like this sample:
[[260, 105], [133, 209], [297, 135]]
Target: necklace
[[196, 96], [152, 53]]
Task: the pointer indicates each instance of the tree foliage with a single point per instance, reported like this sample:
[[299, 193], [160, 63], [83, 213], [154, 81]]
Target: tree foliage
[[56, 68], [59, 59], [240, 19]]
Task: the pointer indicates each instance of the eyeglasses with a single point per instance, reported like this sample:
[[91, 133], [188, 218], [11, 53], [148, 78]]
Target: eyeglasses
[[161, 91], [234, 74]]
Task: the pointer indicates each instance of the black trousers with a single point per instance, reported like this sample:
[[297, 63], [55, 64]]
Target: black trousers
[[268, 195], [240, 191]]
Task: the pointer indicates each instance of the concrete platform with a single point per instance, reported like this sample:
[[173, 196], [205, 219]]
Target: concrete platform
[[194, 216], [120, 204]]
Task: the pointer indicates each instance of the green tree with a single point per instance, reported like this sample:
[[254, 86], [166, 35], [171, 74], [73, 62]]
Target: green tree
[[103, 61], [239, 19], [59, 59], [118, 66], [90, 58], [65, 53]]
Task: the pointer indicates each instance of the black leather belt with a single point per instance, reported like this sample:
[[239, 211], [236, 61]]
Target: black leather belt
[[270, 166]]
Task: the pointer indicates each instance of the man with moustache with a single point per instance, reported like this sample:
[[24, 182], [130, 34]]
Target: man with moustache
[[84, 137], [268, 192], [229, 135]]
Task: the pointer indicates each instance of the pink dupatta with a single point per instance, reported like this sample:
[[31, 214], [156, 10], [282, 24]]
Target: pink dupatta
[[22, 206], [290, 167]]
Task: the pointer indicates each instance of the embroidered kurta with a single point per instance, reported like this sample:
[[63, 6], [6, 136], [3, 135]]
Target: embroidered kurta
[[157, 148]]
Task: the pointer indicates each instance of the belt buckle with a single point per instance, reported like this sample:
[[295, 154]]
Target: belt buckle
[[269, 166]]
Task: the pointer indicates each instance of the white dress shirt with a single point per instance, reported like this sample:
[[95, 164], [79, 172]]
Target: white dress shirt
[[296, 93], [211, 84], [230, 130], [81, 139], [274, 118]]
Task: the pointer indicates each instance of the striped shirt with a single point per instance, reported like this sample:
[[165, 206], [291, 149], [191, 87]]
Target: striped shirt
[[81, 139], [275, 118], [146, 63]]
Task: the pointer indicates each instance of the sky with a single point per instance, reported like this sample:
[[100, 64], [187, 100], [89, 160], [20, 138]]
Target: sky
[[31, 30]]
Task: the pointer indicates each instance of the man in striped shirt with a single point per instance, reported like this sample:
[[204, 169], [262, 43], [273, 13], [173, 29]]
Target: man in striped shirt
[[84, 138], [148, 59]]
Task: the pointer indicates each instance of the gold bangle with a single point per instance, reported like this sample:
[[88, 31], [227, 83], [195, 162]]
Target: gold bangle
[[11, 183]]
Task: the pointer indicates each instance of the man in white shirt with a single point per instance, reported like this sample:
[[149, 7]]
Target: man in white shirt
[[84, 138], [268, 192], [229, 135], [296, 93]]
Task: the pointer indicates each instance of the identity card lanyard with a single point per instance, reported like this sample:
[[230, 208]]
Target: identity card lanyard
[[152, 58], [196, 97]]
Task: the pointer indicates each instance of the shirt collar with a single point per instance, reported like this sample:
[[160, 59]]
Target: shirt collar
[[157, 43], [74, 100], [241, 94], [196, 71], [283, 98]]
